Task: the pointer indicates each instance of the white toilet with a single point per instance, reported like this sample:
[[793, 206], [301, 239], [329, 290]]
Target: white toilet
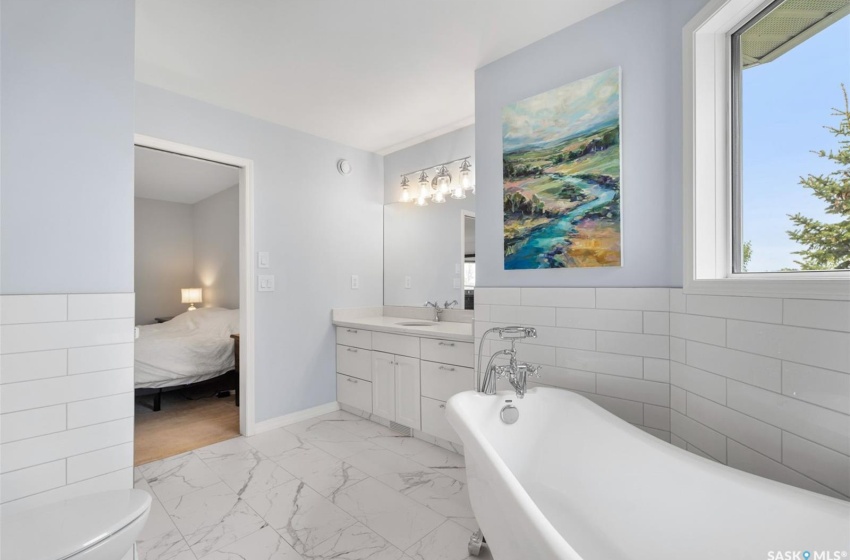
[[100, 526]]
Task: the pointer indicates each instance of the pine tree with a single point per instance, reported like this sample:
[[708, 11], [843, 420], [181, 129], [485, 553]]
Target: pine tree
[[828, 244]]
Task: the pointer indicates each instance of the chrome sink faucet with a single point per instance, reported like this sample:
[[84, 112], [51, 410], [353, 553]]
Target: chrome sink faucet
[[515, 371], [437, 310]]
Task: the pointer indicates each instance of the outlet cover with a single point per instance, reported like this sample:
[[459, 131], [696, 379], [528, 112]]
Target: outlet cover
[[265, 283], [355, 282]]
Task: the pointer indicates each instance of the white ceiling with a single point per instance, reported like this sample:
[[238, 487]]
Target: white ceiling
[[374, 74], [174, 178]]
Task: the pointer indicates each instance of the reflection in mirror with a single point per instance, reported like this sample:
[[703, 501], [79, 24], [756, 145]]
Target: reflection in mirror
[[468, 236], [429, 253]]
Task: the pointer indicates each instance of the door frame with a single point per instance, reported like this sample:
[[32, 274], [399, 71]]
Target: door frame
[[246, 265]]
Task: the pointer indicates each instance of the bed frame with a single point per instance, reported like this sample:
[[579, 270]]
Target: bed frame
[[233, 376]]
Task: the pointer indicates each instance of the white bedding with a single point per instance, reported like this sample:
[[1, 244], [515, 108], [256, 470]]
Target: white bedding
[[193, 346]]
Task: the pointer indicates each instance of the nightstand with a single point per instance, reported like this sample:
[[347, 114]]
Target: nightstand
[[162, 319]]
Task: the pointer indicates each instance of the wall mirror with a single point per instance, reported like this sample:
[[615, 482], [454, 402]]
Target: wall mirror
[[429, 253]]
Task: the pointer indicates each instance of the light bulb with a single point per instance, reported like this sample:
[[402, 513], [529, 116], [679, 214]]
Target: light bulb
[[466, 176], [424, 186], [405, 195], [458, 193], [422, 201], [439, 197]]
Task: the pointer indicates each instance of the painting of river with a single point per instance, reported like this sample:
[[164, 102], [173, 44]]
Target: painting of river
[[561, 173]]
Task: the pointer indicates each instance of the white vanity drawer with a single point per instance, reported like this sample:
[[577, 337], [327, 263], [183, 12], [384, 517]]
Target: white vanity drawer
[[354, 392], [354, 337], [396, 344], [354, 361], [441, 381], [448, 352], [434, 420]]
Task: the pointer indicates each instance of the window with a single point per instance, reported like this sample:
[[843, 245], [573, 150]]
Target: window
[[754, 77], [469, 275], [790, 201]]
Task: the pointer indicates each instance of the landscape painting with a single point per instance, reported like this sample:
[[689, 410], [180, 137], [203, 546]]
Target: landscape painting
[[561, 173]]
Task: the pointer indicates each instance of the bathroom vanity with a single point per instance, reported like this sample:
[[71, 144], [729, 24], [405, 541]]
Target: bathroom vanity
[[404, 370]]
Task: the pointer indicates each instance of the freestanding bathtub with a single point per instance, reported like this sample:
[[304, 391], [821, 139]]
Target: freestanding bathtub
[[569, 480]]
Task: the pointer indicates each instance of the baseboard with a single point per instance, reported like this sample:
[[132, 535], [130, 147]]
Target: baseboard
[[287, 419]]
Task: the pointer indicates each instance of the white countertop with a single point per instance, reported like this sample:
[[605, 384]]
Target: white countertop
[[444, 329]]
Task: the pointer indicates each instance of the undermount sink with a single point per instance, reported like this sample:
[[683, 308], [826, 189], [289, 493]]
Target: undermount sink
[[416, 324]]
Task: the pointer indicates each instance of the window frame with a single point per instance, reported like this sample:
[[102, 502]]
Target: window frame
[[709, 122]]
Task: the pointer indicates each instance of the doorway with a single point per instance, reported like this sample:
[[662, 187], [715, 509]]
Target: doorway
[[207, 339]]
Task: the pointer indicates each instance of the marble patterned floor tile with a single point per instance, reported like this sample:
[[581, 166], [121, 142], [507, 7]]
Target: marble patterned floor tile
[[333, 420], [300, 514], [265, 544], [448, 542], [366, 428], [274, 443], [179, 475], [406, 446], [223, 449], [339, 446], [392, 469], [323, 472], [212, 518], [399, 519], [248, 472], [160, 539], [139, 482], [444, 461], [357, 542], [448, 497]]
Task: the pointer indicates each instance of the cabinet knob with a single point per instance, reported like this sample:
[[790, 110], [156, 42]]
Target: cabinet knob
[[446, 368], [350, 380], [353, 331], [352, 349], [442, 406], [441, 343]]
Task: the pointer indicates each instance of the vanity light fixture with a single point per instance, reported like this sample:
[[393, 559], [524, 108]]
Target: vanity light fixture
[[458, 193], [424, 186], [466, 176], [441, 187], [444, 181], [405, 189]]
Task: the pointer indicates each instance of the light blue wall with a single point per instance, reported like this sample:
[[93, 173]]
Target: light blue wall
[[66, 107], [644, 38], [318, 226]]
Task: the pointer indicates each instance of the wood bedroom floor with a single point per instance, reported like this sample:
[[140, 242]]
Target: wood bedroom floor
[[183, 425]]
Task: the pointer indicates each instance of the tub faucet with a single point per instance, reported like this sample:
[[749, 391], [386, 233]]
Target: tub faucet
[[515, 371]]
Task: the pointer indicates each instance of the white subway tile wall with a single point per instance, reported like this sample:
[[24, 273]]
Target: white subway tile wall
[[763, 385], [611, 344], [66, 401], [760, 384]]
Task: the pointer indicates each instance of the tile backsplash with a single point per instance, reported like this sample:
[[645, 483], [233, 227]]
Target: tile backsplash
[[760, 384], [66, 396]]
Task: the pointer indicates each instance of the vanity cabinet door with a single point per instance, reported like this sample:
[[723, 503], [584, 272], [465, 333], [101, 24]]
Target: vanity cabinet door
[[407, 392], [383, 385]]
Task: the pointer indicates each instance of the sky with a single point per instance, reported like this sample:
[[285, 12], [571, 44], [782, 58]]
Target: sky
[[786, 104], [562, 112]]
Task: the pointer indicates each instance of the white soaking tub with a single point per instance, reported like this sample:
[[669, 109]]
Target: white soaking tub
[[570, 480]]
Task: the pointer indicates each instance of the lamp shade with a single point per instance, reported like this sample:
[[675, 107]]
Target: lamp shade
[[192, 295]]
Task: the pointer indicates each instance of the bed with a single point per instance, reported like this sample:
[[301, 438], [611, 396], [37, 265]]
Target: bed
[[192, 347]]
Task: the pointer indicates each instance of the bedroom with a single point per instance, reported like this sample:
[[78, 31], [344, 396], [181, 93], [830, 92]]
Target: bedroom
[[187, 303]]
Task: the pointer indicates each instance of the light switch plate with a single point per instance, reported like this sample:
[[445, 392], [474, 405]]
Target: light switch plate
[[263, 259], [457, 268], [457, 282], [265, 283], [407, 282], [355, 282]]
